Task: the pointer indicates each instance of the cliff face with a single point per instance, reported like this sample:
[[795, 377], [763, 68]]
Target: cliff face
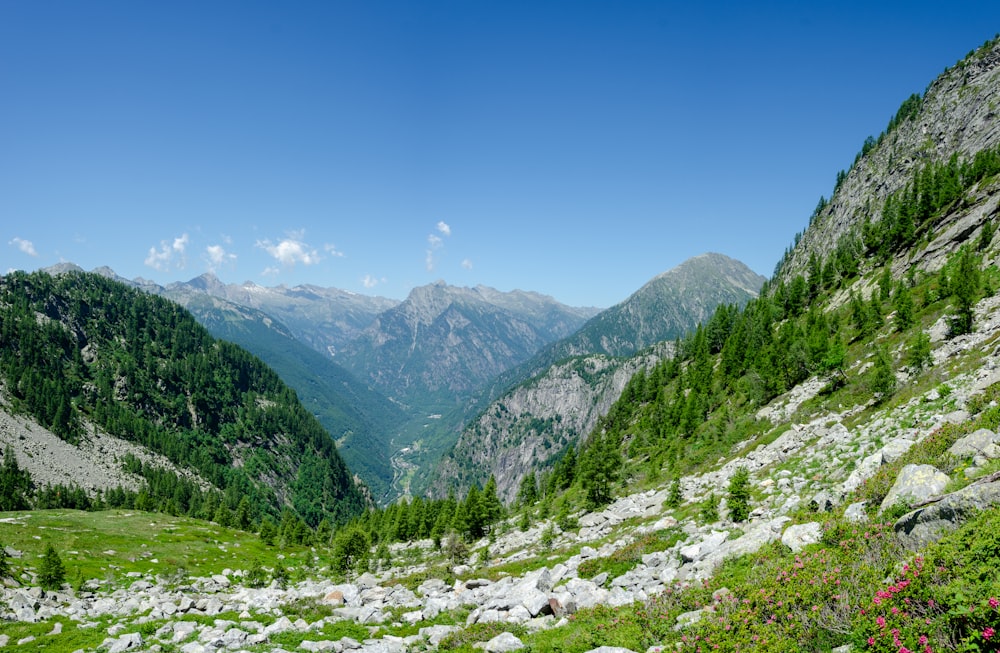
[[533, 423], [957, 116]]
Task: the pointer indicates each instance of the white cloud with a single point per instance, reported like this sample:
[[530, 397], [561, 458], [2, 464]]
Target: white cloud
[[435, 243], [163, 258], [467, 264], [217, 256], [291, 250], [332, 250], [270, 272], [25, 246], [368, 281]]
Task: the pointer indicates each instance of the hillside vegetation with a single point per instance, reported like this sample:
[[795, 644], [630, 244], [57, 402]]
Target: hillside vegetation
[[84, 354]]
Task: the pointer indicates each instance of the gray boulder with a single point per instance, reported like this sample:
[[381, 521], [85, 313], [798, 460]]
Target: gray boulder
[[983, 442], [929, 523], [502, 643], [914, 484], [799, 536]]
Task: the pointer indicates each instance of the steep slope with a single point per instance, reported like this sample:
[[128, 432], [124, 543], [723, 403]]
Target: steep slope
[[82, 353], [955, 117], [360, 420], [573, 381], [666, 307], [533, 424]]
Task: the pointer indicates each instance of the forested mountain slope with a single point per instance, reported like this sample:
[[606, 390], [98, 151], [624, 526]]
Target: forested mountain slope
[[558, 395], [360, 420], [84, 355]]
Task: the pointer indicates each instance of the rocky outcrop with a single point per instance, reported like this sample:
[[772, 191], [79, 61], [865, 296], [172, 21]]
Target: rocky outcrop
[[930, 522], [534, 422], [957, 115]]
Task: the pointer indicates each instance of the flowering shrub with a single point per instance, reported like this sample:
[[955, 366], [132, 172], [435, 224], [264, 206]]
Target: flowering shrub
[[946, 600]]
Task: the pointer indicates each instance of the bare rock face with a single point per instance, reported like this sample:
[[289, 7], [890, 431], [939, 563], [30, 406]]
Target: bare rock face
[[537, 420], [957, 116]]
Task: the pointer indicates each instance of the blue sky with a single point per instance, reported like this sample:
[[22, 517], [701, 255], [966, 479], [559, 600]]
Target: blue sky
[[572, 148]]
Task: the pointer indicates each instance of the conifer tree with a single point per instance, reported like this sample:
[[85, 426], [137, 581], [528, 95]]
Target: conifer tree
[[51, 573], [674, 496], [965, 285], [738, 499], [903, 305]]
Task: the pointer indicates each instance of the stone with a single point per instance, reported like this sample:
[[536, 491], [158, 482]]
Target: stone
[[856, 512], [324, 645], [862, 472], [502, 643], [915, 483], [686, 619], [799, 536], [983, 442], [895, 449], [610, 649], [126, 643], [434, 634], [336, 597], [929, 523]]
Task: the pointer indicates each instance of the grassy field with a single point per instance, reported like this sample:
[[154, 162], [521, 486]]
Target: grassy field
[[110, 544]]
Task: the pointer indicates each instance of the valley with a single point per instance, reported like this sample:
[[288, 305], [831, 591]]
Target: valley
[[720, 462]]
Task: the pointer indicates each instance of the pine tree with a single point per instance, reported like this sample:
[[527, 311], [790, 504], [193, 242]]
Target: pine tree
[[492, 507], [51, 573], [674, 496], [268, 531], [5, 570], [15, 483], [919, 354], [965, 285], [738, 499], [882, 381], [903, 305]]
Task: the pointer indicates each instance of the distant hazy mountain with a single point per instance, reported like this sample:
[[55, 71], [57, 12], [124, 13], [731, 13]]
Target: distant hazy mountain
[[446, 342], [323, 318]]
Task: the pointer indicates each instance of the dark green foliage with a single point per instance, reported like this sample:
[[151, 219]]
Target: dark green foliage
[[51, 573], [15, 483], [157, 378], [882, 378], [5, 571], [965, 286], [674, 496], [350, 549], [527, 491], [709, 508], [918, 355], [903, 305], [738, 497], [600, 466], [256, 576], [268, 531]]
